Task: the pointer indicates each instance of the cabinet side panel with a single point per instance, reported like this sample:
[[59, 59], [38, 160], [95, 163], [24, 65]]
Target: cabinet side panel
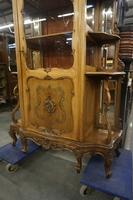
[[89, 106]]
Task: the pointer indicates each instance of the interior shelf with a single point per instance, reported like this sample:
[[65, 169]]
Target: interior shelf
[[102, 38], [43, 38], [99, 137], [104, 74]]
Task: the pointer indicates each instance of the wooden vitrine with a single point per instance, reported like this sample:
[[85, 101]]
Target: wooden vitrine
[[4, 72], [69, 76]]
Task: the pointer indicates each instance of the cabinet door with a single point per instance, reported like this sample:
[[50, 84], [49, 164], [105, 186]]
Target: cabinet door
[[50, 105], [48, 30]]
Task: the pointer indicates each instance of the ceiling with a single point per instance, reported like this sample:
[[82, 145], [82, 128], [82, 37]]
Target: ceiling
[[6, 10]]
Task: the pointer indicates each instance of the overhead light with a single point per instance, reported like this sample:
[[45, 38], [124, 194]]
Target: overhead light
[[6, 26], [89, 6], [66, 15], [12, 46], [69, 39], [108, 12], [70, 14], [29, 21], [89, 17]]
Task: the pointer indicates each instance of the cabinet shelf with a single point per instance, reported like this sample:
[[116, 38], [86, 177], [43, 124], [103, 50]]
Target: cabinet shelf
[[2, 87], [104, 74], [44, 38], [99, 137], [2, 77], [101, 38]]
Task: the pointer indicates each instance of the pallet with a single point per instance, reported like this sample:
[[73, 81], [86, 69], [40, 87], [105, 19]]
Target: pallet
[[119, 185], [13, 155]]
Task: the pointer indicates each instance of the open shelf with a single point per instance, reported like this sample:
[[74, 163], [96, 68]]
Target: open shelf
[[102, 38], [45, 38], [101, 74], [99, 137]]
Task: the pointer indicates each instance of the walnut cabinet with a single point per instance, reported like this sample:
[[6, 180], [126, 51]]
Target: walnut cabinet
[[69, 76]]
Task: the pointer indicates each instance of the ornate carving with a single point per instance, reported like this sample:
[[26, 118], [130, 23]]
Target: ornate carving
[[49, 105], [107, 164], [78, 148], [14, 130], [51, 96]]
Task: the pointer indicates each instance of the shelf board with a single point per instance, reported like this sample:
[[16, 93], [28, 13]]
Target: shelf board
[[2, 77], [2, 87], [45, 38], [3, 63], [14, 73], [99, 137], [105, 74], [102, 38]]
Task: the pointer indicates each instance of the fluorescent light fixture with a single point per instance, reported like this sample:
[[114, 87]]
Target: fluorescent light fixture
[[66, 15], [29, 21], [6, 26], [70, 14], [89, 6], [12, 46], [89, 17], [108, 12], [69, 39]]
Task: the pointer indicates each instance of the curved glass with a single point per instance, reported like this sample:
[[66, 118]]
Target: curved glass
[[90, 15], [101, 122], [107, 16], [48, 29], [107, 56]]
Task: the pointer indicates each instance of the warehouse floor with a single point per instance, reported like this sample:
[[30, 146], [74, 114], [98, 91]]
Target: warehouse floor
[[46, 175]]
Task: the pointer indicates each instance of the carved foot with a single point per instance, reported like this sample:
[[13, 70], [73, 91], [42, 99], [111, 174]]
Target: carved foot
[[117, 152], [79, 162], [107, 166], [24, 145], [12, 133]]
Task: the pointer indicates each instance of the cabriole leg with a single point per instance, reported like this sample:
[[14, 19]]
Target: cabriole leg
[[12, 133]]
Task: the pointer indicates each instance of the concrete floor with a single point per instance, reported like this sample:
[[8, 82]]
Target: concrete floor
[[46, 175]]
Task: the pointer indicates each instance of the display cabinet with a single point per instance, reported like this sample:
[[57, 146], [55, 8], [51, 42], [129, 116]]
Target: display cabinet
[[126, 55], [69, 76], [4, 90]]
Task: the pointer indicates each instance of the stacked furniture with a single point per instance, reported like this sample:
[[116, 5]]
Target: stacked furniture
[[4, 91], [126, 55], [69, 76]]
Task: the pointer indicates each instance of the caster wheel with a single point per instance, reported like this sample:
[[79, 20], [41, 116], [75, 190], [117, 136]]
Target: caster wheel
[[11, 168], [83, 190]]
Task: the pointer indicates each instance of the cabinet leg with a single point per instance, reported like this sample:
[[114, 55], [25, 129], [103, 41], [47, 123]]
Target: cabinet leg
[[117, 152], [12, 133], [24, 145], [107, 166], [79, 162]]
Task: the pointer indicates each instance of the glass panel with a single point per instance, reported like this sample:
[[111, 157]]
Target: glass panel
[[107, 16], [107, 56], [48, 30], [90, 55], [104, 100], [90, 15]]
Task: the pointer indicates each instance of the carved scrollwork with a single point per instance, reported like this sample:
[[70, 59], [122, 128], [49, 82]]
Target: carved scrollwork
[[49, 105]]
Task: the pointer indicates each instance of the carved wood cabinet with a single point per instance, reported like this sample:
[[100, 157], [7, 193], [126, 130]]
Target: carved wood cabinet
[[69, 76]]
